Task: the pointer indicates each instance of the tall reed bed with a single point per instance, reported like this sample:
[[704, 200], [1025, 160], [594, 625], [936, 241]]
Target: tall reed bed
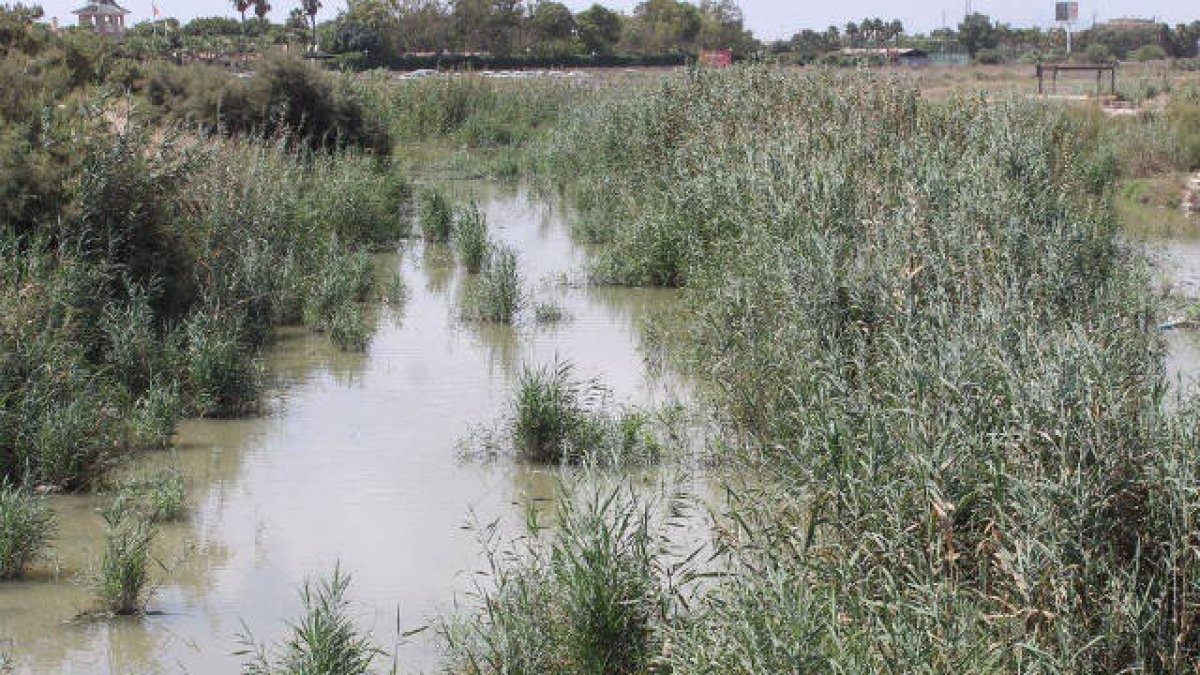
[[147, 290], [478, 112], [584, 597], [921, 319]]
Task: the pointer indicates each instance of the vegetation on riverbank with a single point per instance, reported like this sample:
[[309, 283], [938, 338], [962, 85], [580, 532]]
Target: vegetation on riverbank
[[143, 266], [923, 305]]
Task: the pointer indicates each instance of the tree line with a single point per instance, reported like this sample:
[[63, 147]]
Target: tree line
[[389, 28]]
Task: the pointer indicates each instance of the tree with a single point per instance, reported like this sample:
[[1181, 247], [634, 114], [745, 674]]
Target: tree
[[721, 27], [241, 6], [977, 32], [851, 34], [551, 21], [660, 26], [262, 8], [599, 29], [311, 7]]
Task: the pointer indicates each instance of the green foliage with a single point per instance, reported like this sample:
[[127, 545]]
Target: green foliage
[[585, 599], [549, 409], [471, 237], [159, 498], [1150, 52], [435, 216], [324, 641], [549, 312], [122, 583], [497, 295], [955, 381], [26, 527], [287, 96]]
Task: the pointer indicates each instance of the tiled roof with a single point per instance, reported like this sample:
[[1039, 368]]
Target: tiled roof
[[102, 8]]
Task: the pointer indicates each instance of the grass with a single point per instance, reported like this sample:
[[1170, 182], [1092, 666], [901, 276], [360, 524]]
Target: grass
[[549, 311], [159, 498], [122, 583], [497, 295], [952, 382], [324, 640], [548, 411], [471, 237], [26, 528], [435, 216], [554, 418], [585, 597]]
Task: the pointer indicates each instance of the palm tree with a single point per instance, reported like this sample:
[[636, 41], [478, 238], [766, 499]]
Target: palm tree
[[241, 6], [311, 7], [261, 8]]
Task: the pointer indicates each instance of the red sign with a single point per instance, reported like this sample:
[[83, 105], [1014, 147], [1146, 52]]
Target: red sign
[[722, 58]]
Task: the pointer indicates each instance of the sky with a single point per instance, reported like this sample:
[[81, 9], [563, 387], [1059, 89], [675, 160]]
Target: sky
[[769, 19]]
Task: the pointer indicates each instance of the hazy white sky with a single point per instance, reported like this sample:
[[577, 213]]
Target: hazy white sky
[[768, 19]]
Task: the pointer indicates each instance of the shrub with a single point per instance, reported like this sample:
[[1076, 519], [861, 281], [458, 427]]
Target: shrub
[[26, 527], [1148, 53]]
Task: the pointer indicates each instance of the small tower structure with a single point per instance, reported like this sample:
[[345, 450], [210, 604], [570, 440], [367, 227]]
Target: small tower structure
[[105, 17]]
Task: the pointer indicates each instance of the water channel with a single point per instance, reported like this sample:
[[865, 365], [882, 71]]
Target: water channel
[[355, 463]]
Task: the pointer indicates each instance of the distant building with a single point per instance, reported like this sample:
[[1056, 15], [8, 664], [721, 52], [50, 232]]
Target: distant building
[[902, 57], [721, 58], [1129, 23], [105, 17]]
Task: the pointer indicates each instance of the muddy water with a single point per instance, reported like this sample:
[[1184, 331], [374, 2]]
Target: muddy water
[[355, 463], [1173, 245]]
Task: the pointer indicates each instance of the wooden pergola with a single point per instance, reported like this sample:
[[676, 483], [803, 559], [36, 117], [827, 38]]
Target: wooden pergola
[[1055, 68]]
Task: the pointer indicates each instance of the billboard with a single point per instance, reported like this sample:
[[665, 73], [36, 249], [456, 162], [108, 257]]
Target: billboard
[[1066, 12]]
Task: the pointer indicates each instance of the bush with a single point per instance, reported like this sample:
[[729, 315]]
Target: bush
[[1148, 53], [26, 527], [989, 57], [287, 96]]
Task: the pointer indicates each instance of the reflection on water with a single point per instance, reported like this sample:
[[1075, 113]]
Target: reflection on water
[[355, 462]]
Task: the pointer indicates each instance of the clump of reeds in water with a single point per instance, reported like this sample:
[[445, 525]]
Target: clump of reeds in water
[[158, 498], [26, 526], [122, 582], [556, 418], [471, 237], [584, 597], [497, 295], [323, 640], [435, 215]]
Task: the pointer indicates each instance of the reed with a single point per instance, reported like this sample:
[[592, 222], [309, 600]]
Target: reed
[[26, 527], [435, 216], [122, 582], [497, 295], [471, 237], [324, 640]]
